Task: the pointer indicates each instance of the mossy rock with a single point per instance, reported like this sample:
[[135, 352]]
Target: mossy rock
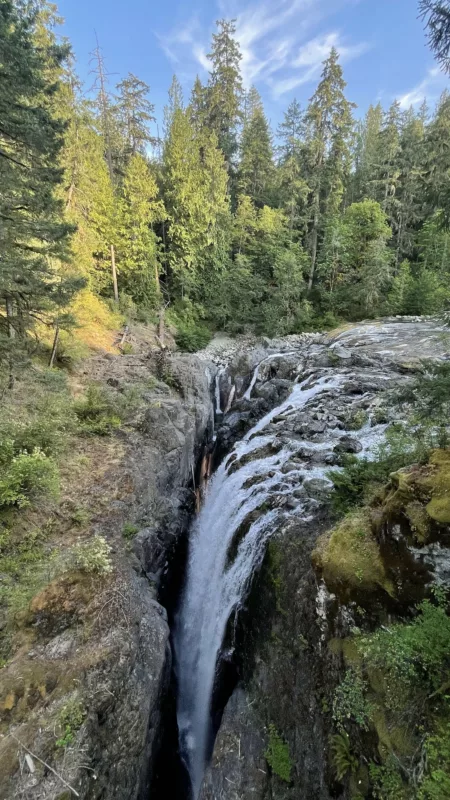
[[438, 482], [62, 603], [360, 782], [349, 557]]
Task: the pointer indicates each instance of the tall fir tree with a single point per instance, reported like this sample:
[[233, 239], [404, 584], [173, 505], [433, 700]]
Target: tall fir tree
[[135, 113], [256, 167], [138, 245], [33, 236], [329, 127], [293, 189], [225, 87]]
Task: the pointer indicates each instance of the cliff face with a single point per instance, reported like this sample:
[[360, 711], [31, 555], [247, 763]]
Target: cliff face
[[321, 581], [81, 697]]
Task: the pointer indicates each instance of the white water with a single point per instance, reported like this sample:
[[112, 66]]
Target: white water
[[217, 584], [247, 395]]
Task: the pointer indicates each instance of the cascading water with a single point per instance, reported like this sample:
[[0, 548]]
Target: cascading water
[[220, 569]]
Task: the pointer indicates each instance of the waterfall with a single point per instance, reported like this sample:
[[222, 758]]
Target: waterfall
[[255, 375], [223, 556]]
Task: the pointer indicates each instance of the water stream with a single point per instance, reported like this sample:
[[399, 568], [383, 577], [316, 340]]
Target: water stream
[[220, 567]]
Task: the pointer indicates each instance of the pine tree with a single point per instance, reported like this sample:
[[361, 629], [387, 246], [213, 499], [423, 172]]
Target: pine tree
[[225, 87], [198, 104], [437, 162], [293, 188], [138, 245], [33, 235], [367, 154], [108, 128], [256, 165], [409, 194], [329, 126], [436, 14], [365, 262], [135, 112], [175, 103], [387, 172], [86, 191], [195, 184]]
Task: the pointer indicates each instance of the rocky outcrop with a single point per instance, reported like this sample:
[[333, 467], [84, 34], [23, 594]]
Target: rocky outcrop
[[82, 700], [287, 668]]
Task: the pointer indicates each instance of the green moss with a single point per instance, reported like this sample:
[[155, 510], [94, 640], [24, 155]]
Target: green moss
[[438, 482], [277, 755], [349, 557], [70, 720], [129, 530]]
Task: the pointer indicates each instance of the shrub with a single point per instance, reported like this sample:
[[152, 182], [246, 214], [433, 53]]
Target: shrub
[[129, 530], [71, 718], [349, 702], [97, 413], [191, 333], [28, 476], [417, 654], [436, 783], [277, 755], [358, 477], [429, 393], [93, 556]]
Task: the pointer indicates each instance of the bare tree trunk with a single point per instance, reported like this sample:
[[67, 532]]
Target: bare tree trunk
[[12, 335], [114, 274], [55, 346], [161, 326], [314, 237]]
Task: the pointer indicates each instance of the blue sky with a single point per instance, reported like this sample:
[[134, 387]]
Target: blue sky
[[381, 42]]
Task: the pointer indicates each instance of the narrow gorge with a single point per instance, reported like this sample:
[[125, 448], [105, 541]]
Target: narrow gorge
[[208, 662], [269, 494]]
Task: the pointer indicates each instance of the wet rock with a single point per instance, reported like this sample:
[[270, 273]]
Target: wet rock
[[347, 444], [238, 769], [317, 487]]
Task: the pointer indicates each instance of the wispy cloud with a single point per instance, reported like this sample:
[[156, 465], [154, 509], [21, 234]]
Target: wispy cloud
[[429, 88], [273, 39], [310, 56]]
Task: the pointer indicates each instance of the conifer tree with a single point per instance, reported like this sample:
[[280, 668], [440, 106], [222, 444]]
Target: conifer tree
[[135, 113], [195, 183], [33, 235], [225, 87], [138, 246], [329, 125], [256, 165], [292, 186]]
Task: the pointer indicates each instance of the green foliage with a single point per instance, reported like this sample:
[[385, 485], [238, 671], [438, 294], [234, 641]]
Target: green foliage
[[129, 530], [70, 720], [350, 704], [93, 556], [28, 477], [387, 783], [277, 755], [343, 759], [413, 654], [429, 392], [358, 478], [436, 783], [97, 413], [191, 332]]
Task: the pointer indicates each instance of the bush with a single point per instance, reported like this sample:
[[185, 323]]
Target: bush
[[97, 413], [349, 702], [93, 556], [70, 720], [429, 393], [277, 755], [28, 476], [359, 477], [191, 332]]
